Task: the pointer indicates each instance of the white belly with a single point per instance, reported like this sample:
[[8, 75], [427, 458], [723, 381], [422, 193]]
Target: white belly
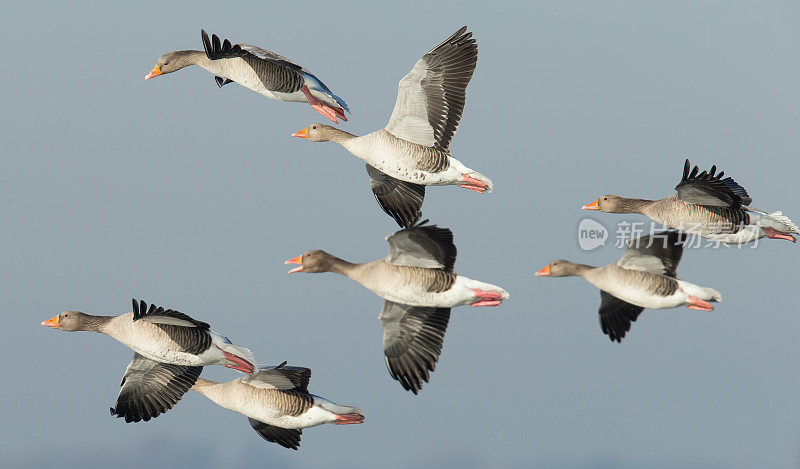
[[379, 152], [459, 294], [640, 297]]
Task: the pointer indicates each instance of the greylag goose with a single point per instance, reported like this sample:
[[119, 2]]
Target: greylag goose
[[419, 287], [413, 150], [170, 350], [277, 403], [706, 205], [644, 277], [262, 71]]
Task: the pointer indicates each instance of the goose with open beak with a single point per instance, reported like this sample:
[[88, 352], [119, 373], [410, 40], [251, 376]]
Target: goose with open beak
[[419, 286]]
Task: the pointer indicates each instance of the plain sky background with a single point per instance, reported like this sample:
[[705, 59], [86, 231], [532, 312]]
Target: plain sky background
[[190, 196]]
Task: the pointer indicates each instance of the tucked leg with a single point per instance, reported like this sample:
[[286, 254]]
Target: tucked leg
[[320, 107], [472, 184], [772, 233]]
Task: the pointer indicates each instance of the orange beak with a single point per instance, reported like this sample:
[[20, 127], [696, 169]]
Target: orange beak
[[592, 206], [52, 322], [156, 71], [544, 272], [301, 133], [296, 260]]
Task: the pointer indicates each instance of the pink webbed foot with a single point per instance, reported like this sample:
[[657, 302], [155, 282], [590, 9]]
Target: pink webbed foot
[[486, 298], [475, 185], [772, 233], [348, 419], [239, 364], [485, 303], [698, 304], [329, 112]]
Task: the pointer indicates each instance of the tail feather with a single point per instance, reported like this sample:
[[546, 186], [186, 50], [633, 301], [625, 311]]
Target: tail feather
[[345, 414], [776, 220], [784, 220], [483, 179], [709, 294]]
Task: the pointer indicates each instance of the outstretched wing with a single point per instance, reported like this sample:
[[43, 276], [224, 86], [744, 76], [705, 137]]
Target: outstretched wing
[[150, 388], [281, 377], [658, 253], [708, 188], [286, 437], [430, 98], [399, 199], [412, 341], [616, 316], [422, 245]]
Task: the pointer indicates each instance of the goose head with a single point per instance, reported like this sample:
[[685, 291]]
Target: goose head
[[319, 133], [607, 203], [68, 321], [171, 62], [560, 268], [312, 262]]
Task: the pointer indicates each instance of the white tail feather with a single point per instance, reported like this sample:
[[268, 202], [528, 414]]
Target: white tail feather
[[336, 408], [709, 294], [483, 179], [776, 220], [785, 221]]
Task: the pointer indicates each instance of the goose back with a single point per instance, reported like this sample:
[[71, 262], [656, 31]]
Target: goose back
[[697, 219]]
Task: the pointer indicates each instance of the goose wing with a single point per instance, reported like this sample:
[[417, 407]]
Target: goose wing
[[616, 316], [286, 437], [276, 72], [412, 341], [422, 245], [399, 199], [658, 253], [430, 98], [709, 188], [190, 334], [281, 377], [150, 388]]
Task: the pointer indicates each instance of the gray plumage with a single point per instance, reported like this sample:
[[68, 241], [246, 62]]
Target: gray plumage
[[412, 341], [150, 388], [435, 90], [399, 199]]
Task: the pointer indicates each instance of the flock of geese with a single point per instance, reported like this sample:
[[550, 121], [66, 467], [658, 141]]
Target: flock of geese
[[416, 279]]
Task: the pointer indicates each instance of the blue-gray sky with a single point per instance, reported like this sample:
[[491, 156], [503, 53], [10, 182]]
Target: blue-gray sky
[[190, 196]]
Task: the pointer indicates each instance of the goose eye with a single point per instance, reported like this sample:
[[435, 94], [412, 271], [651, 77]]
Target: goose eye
[[313, 126]]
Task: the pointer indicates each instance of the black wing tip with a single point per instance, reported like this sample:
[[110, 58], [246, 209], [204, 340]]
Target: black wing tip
[[734, 190], [216, 49], [141, 310], [131, 417]]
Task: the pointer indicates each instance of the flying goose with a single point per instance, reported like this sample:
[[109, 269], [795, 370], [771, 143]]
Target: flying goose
[[706, 205], [413, 150], [419, 287], [262, 71], [644, 277], [170, 350], [277, 403]]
